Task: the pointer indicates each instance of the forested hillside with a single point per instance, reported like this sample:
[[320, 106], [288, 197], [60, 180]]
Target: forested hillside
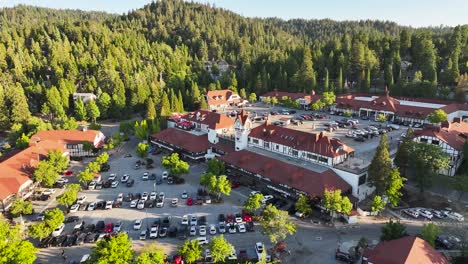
[[154, 57]]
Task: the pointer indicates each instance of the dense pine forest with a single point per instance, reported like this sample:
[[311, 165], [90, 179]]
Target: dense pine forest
[[154, 57]]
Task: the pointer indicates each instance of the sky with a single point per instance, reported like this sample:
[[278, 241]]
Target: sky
[[416, 13]]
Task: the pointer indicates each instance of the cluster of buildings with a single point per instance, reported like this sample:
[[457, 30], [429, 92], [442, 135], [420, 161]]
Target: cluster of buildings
[[17, 170]]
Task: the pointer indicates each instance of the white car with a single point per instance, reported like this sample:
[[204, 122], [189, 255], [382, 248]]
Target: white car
[[145, 176], [202, 240], [143, 235], [208, 257], [212, 230], [92, 206], [266, 198], [193, 230], [118, 226], [222, 228], [115, 184], [153, 196], [165, 174], [411, 212], [455, 216], [74, 208], [238, 219], [144, 196], [133, 203], [193, 220], [184, 220], [137, 224], [241, 228], [112, 176], [161, 195], [141, 204], [154, 232], [174, 202], [159, 203], [109, 204], [120, 197], [92, 185], [259, 249], [58, 231], [81, 199], [125, 178], [425, 213], [184, 195], [48, 192], [233, 256], [232, 229], [202, 230], [62, 181]]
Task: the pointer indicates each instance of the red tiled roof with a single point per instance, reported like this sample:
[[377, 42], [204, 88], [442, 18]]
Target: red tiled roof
[[405, 250], [452, 135], [15, 171], [243, 116], [313, 143], [279, 172], [184, 140], [211, 119], [219, 97], [67, 136]]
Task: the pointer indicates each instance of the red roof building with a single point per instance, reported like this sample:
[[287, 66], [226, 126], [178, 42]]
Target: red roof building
[[302, 98], [285, 174], [309, 146], [188, 144], [204, 120], [405, 250], [219, 99]]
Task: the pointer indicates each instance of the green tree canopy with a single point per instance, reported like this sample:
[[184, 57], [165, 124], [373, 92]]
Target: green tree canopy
[[115, 250], [21, 207], [220, 248], [93, 167], [396, 183], [253, 202], [69, 196], [45, 173], [191, 251], [13, 249], [303, 205], [380, 167], [102, 158], [22, 142], [92, 111], [142, 150], [392, 230], [215, 166], [52, 219], [252, 97], [334, 202], [85, 176], [276, 224], [427, 160], [176, 166], [57, 160], [438, 116], [80, 110], [377, 204], [151, 254], [429, 232]]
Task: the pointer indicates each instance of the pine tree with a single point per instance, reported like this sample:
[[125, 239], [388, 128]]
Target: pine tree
[[380, 167], [165, 106], [203, 104], [326, 84], [180, 103], [80, 111], [174, 103], [340, 80], [92, 111], [195, 93], [150, 109], [17, 103]]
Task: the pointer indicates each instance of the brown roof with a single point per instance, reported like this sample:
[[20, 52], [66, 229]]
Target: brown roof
[[279, 172], [293, 96], [67, 136], [454, 135], [311, 142], [182, 139], [218, 97], [243, 116], [405, 250], [16, 170], [211, 119]]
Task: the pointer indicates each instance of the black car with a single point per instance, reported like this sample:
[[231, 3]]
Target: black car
[[91, 237], [280, 203], [250, 227], [292, 112], [129, 197], [221, 218], [172, 232], [71, 239], [138, 196], [166, 221], [158, 181], [130, 183], [152, 176], [80, 239], [59, 241], [202, 220], [107, 184], [98, 185], [100, 226], [101, 205], [359, 139], [71, 219], [90, 228], [104, 167], [47, 242]]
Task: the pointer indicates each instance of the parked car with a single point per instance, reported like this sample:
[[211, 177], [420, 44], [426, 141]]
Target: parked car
[[109, 228], [125, 178], [137, 224], [141, 204], [185, 220], [202, 240], [143, 234], [411, 212], [193, 220], [456, 216], [184, 195], [109, 204], [165, 174], [153, 196], [174, 202], [222, 228], [48, 192], [193, 231], [189, 201], [145, 176], [241, 228], [74, 208], [212, 230], [58, 231], [117, 226], [114, 184], [154, 232], [202, 230], [130, 183], [425, 213]]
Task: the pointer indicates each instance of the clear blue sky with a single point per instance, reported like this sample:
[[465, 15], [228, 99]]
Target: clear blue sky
[[415, 13]]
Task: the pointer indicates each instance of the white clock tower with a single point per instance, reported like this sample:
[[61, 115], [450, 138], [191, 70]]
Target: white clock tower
[[242, 125]]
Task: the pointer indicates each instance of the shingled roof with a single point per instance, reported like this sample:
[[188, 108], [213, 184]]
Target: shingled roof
[[405, 250], [219, 97], [184, 140], [454, 134], [211, 119], [311, 142], [279, 172]]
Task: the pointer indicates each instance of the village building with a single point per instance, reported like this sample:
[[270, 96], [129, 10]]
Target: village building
[[303, 99], [16, 171], [450, 137], [85, 97], [221, 99]]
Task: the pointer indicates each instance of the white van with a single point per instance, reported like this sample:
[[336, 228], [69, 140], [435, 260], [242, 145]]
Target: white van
[[85, 258]]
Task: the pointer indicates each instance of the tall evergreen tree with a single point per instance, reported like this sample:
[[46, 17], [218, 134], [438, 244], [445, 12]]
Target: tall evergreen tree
[[92, 110], [150, 109], [180, 103], [326, 83], [380, 167], [165, 106], [80, 110]]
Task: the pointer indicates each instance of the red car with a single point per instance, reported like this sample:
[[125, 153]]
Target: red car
[[178, 259], [247, 218], [230, 218], [189, 201], [109, 227], [68, 173], [235, 184]]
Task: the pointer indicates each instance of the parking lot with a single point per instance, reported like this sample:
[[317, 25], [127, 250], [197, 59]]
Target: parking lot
[[127, 216]]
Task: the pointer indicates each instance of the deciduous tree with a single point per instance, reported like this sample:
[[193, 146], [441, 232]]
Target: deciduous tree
[[176, 166], [57, 160], [142, 150], [303, 205], [114, 250], [52, 219], [22, 142], [151, 254], [252, 97], [69, 196], [85, 176], [215, 166], [220, 248], [429, 232], [392, 230], [45, 174], [437, 117], [396, 182], [191, 251], [253, 202], [93, 167], [276, 224], [80, 110], [92, 111], [21, 207], [102, 158], [377, 204], [335, 203], [13, 249]]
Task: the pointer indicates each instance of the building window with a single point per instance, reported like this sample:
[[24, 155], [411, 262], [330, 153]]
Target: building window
[[295, 153], [322, 159], [435, 142], [423, 140], [311, 156], [266, 144], [277, 147], [362, 179], [255, 141]]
